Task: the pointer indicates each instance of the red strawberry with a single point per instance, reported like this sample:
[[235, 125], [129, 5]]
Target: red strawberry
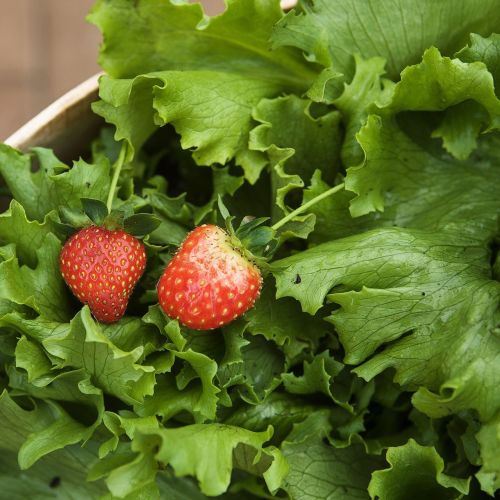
[[102, 267], [208, 283]]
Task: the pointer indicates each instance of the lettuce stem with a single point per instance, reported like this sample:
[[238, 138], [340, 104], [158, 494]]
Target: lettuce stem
[[307, 205], [117, 168]]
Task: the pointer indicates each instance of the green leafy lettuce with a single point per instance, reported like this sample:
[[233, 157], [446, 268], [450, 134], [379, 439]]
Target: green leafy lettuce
[[370, 365]]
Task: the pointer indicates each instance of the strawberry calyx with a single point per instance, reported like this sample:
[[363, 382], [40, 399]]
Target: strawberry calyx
[[258, 242], [255, 241], [95, 213]]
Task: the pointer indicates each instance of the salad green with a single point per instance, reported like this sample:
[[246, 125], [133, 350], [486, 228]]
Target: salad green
[[370, 366]]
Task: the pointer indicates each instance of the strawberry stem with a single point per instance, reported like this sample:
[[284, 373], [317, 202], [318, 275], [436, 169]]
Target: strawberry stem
[[307, 205], [117, 168]]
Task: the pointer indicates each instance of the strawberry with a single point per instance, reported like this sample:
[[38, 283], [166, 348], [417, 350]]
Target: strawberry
[[101, 267], [209, 282]]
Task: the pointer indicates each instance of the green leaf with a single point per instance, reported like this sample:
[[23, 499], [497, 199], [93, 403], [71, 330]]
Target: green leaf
[[141, 224], [429, 193], [188, 94], [222, 209], [53, 185], [434, 72], [485, 50], [96, 210], [418, 469], [410, 290], [204, 368], [62, 432], [438, 83], [84, 345], [38, 329], [30, 189], [332, 31], [62, 474], [489, 441], [460, 128], [42, 287], [332, 216], [223, 183], [32, 358], [27, 235], [327, 86], [127, 104], [279, 409], [426, 86], [290, 325], [39, 431], [318, 470], [313, 142], [318, 376], [214, 124], [176, 37], [175, 215], [355, 101], [73, 389], [260, 367], [206, 451]]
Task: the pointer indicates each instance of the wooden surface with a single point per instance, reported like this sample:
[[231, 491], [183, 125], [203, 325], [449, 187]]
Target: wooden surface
[[46, 48]]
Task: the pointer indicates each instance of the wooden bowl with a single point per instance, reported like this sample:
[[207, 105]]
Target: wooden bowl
[[65, 125]]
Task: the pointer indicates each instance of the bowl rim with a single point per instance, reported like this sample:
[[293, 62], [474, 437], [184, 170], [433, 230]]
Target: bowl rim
[[45, 124]]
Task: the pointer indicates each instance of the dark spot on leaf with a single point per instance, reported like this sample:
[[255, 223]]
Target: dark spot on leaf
[[423, 294], [87, 184], [55, 482], [298, 279]]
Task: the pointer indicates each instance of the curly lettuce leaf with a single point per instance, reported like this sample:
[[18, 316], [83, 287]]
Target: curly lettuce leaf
[[38, 431], [313, 142], [331, 32], [365, 88], [485, 50], [53, 184], [437, 83], [488, 438], [418, 469], [290, 327], [208, 96], [176, 36], [83, 345], [205, 451], [409, 290], [155, 407], [319, 470], [33, 287]]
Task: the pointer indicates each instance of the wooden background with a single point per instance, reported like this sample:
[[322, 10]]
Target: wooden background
[[46, 48]]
